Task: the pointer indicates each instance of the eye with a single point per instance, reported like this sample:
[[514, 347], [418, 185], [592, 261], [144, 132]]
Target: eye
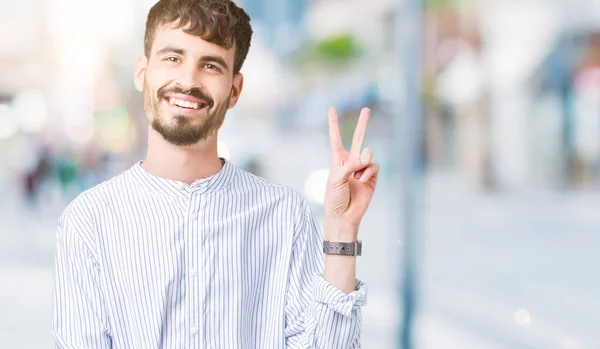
[[172, 59], [211, 67]]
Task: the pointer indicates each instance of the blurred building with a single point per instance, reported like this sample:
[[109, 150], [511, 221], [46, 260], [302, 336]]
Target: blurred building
[[278, 23]]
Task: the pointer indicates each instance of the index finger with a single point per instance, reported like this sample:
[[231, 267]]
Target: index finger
[[359, 132], [335, 138]]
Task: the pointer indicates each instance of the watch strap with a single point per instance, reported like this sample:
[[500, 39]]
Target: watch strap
[[343, 248]]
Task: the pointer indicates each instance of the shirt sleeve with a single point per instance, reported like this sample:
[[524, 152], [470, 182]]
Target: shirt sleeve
[[79, 318], [318, 314]]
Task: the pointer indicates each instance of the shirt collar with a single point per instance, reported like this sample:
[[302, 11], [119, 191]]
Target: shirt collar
[[172, 187]]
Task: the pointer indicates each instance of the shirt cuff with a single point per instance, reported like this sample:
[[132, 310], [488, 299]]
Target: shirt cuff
[[336, 299]]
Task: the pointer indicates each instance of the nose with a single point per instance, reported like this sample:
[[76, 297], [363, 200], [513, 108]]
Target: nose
[[189, 76]]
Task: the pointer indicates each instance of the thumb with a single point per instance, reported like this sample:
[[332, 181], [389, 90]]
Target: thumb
[[342, 175]]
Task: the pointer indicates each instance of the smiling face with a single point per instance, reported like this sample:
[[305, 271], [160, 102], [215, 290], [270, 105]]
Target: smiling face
[[188, 84]]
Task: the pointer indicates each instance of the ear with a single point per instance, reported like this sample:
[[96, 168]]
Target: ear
[[139, 72], [236, 89]]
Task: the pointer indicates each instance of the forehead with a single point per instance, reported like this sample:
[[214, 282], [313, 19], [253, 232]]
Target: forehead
[[169, 35]]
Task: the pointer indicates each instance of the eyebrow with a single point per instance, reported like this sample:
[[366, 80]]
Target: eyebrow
[[171, 49], [208, 58]]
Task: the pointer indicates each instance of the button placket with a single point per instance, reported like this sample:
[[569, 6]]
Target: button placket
[[194, 267], [204, 267]]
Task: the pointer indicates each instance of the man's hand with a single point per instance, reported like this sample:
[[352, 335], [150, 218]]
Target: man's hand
[[351, 183]]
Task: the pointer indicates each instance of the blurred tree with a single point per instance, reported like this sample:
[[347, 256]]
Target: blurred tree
[[447, 4], [330, 52], [342, 47]]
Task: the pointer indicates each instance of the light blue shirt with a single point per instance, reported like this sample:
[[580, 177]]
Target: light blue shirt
[[230, 261]]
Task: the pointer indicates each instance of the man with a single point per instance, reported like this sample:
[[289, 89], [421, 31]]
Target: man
[[184, 249]]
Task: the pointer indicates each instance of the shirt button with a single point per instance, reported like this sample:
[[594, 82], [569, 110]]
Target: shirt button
[[194, 216], [193, 272], [194, 330]]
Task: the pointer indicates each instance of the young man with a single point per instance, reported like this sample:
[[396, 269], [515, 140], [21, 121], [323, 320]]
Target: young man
[[185, 250]]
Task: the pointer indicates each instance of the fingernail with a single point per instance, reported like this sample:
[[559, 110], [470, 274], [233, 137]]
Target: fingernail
[[364, 158]]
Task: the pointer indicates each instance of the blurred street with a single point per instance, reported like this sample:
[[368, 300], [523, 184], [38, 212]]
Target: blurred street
[[481, 265], [517, 269]]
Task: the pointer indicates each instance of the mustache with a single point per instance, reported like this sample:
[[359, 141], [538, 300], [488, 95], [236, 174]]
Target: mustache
[[194, 92]]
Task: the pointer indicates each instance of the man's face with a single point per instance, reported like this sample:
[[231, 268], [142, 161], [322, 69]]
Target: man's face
[[188, 85]]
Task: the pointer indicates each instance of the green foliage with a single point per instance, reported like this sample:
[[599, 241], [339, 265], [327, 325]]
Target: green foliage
[[441, 4], [341, 47]]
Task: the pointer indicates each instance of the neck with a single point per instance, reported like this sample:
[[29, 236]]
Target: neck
[[184, 164]]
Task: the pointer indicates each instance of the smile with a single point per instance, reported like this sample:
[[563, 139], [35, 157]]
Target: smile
[[185, 104]]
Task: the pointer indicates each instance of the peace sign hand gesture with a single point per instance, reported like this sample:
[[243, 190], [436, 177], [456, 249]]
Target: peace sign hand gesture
[[351, 183]]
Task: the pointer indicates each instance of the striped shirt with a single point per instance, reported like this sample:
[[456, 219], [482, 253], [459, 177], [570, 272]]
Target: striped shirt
[[230, 261]]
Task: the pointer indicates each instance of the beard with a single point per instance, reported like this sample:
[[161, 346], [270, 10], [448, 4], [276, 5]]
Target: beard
[[185, 130]]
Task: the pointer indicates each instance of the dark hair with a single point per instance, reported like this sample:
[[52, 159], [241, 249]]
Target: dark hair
[[220, 22]]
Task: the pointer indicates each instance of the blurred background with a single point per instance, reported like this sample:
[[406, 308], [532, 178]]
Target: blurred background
[[484, 229]]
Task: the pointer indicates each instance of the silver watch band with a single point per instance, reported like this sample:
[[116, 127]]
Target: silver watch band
[[343, 248]]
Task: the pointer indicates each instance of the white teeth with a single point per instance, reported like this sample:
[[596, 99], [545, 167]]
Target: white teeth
[[184, 104]]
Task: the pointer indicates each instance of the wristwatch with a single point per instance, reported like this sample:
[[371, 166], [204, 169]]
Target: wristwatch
[[343, 248]]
